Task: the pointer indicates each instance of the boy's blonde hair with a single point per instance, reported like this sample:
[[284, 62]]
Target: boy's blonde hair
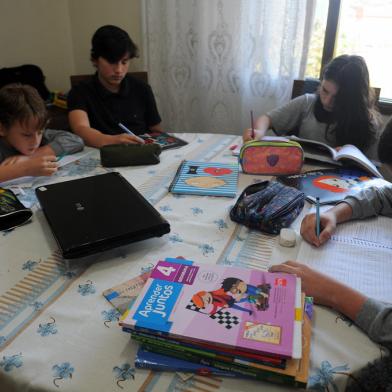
[[21, 103]]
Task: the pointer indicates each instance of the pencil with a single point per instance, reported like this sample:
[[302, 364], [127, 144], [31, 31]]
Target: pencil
[[252, 124], [61, 156], [318, 217], [129, 132]]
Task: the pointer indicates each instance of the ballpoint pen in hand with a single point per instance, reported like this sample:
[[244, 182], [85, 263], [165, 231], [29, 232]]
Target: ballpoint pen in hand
[[318, 217], [125, 129], [252, 124]]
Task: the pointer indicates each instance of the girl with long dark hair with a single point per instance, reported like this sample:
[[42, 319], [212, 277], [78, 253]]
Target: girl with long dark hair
[[341, 112]]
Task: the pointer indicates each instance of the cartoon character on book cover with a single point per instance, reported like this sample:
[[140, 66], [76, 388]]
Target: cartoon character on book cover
[[236, 307]]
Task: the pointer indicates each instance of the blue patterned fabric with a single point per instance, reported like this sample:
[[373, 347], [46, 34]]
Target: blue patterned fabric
[[268, 206]]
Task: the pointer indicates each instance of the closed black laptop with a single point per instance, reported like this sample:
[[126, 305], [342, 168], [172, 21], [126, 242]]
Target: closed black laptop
[[96, 213]]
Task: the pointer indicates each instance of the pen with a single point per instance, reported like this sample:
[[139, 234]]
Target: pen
[[125, 129], [61, 156], [318, 217], [252, 124]]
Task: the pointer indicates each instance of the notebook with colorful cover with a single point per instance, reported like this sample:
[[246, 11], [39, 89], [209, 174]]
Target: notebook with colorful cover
[[206, 179], [240, 308], [331, 185], [165, 140], [124, 294]]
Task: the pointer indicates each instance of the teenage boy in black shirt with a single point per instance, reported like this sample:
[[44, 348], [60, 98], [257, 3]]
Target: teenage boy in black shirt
[[112, 97]]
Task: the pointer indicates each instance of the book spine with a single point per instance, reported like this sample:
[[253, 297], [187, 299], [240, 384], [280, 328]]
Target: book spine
[[229, 367], [176, 177], [205, 353]]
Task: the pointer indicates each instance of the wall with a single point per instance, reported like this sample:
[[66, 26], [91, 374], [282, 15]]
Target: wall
[[56, 34], [87, 15], [37, 32]]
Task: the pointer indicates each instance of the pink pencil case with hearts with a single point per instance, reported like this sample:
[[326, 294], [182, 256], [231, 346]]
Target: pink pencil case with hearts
[[273, 158]]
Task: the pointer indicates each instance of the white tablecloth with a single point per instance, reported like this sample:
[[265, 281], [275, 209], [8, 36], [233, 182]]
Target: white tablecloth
[[57, 331]]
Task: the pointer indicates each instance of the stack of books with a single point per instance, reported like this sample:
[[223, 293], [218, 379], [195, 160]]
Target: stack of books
[[212, 319]]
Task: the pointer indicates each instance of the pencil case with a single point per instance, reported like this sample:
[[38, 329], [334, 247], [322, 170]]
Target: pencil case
[[268, 206], [271, 157], [115, 155], [12, 212]]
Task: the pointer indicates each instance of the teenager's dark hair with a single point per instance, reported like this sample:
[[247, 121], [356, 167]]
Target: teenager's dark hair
[[385, 144], [354, 110], [112, 43], [228, 283], [376, 376], [19, 102]]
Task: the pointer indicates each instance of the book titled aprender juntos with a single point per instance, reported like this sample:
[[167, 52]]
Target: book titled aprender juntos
[[240, 308], [206, 178]]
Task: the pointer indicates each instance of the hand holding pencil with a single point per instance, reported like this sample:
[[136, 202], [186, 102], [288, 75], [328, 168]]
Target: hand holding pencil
[[317, 231]]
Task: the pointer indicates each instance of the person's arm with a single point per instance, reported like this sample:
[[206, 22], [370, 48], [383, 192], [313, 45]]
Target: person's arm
[[328, 221], [58, 142], [20, 165], [156, 128], [373, 317], [367, 203], [261, 125], [80, 124], [324, 289]]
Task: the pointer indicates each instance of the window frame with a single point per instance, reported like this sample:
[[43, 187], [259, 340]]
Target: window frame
[[331, 30]]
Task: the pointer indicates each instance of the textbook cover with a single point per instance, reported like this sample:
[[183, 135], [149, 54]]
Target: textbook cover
[[206, 178], [165, 140], [296, 372], [331, 185], [240, 308]]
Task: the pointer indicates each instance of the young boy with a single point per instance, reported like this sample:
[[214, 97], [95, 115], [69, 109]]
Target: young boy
[[26, 149], [97, 106]]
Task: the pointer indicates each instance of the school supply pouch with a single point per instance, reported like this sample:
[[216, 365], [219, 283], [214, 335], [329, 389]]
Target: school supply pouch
[[271, 157], [130, 154], [12, 212], [268, 206]]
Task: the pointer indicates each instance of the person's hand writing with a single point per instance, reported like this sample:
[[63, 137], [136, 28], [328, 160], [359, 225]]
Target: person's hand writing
[[124, 138], [247, 135], [40, 165], [328, 224]]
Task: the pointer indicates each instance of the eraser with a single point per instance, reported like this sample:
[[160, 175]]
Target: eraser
[[287, 237]]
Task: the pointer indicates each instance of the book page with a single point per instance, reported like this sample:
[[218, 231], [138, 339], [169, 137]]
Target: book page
[[358, 254], [314, 149], [349, 151]]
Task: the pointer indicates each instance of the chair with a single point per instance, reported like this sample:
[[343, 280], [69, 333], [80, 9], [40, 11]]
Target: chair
[[309, 86], [76, 79]]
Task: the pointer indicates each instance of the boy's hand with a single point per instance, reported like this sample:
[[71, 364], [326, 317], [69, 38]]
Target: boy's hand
[[247, 135], [40, 165], [328, 224], [123, 138]]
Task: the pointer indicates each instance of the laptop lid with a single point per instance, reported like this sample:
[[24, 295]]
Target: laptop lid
[[92, 214]]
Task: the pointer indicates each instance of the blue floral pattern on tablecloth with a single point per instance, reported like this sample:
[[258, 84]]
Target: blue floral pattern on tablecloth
[[61, 372], [123, 373], [10, 362], [47, 328], [324, 377], [110, 315], [87, 288]]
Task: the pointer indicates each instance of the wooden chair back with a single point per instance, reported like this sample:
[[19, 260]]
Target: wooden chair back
[[76, 79], [301, 87]]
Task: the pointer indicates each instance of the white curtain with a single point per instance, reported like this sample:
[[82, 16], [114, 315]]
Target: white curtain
[[210, 62]]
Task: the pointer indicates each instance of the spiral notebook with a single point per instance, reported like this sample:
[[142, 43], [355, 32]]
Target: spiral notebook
[[206, 179]]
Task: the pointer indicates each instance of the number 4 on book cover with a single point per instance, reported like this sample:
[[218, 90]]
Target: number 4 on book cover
[[233, 307]]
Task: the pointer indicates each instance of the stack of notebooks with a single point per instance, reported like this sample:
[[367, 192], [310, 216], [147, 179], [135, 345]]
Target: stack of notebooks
[[211, 319]]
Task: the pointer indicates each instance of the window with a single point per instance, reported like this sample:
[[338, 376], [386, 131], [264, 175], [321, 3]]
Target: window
[[362, 27]]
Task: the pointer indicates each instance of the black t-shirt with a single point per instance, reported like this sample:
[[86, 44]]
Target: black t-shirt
[[134, 105]]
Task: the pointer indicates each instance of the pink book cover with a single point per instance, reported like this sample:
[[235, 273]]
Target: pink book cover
[[232, 307]]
